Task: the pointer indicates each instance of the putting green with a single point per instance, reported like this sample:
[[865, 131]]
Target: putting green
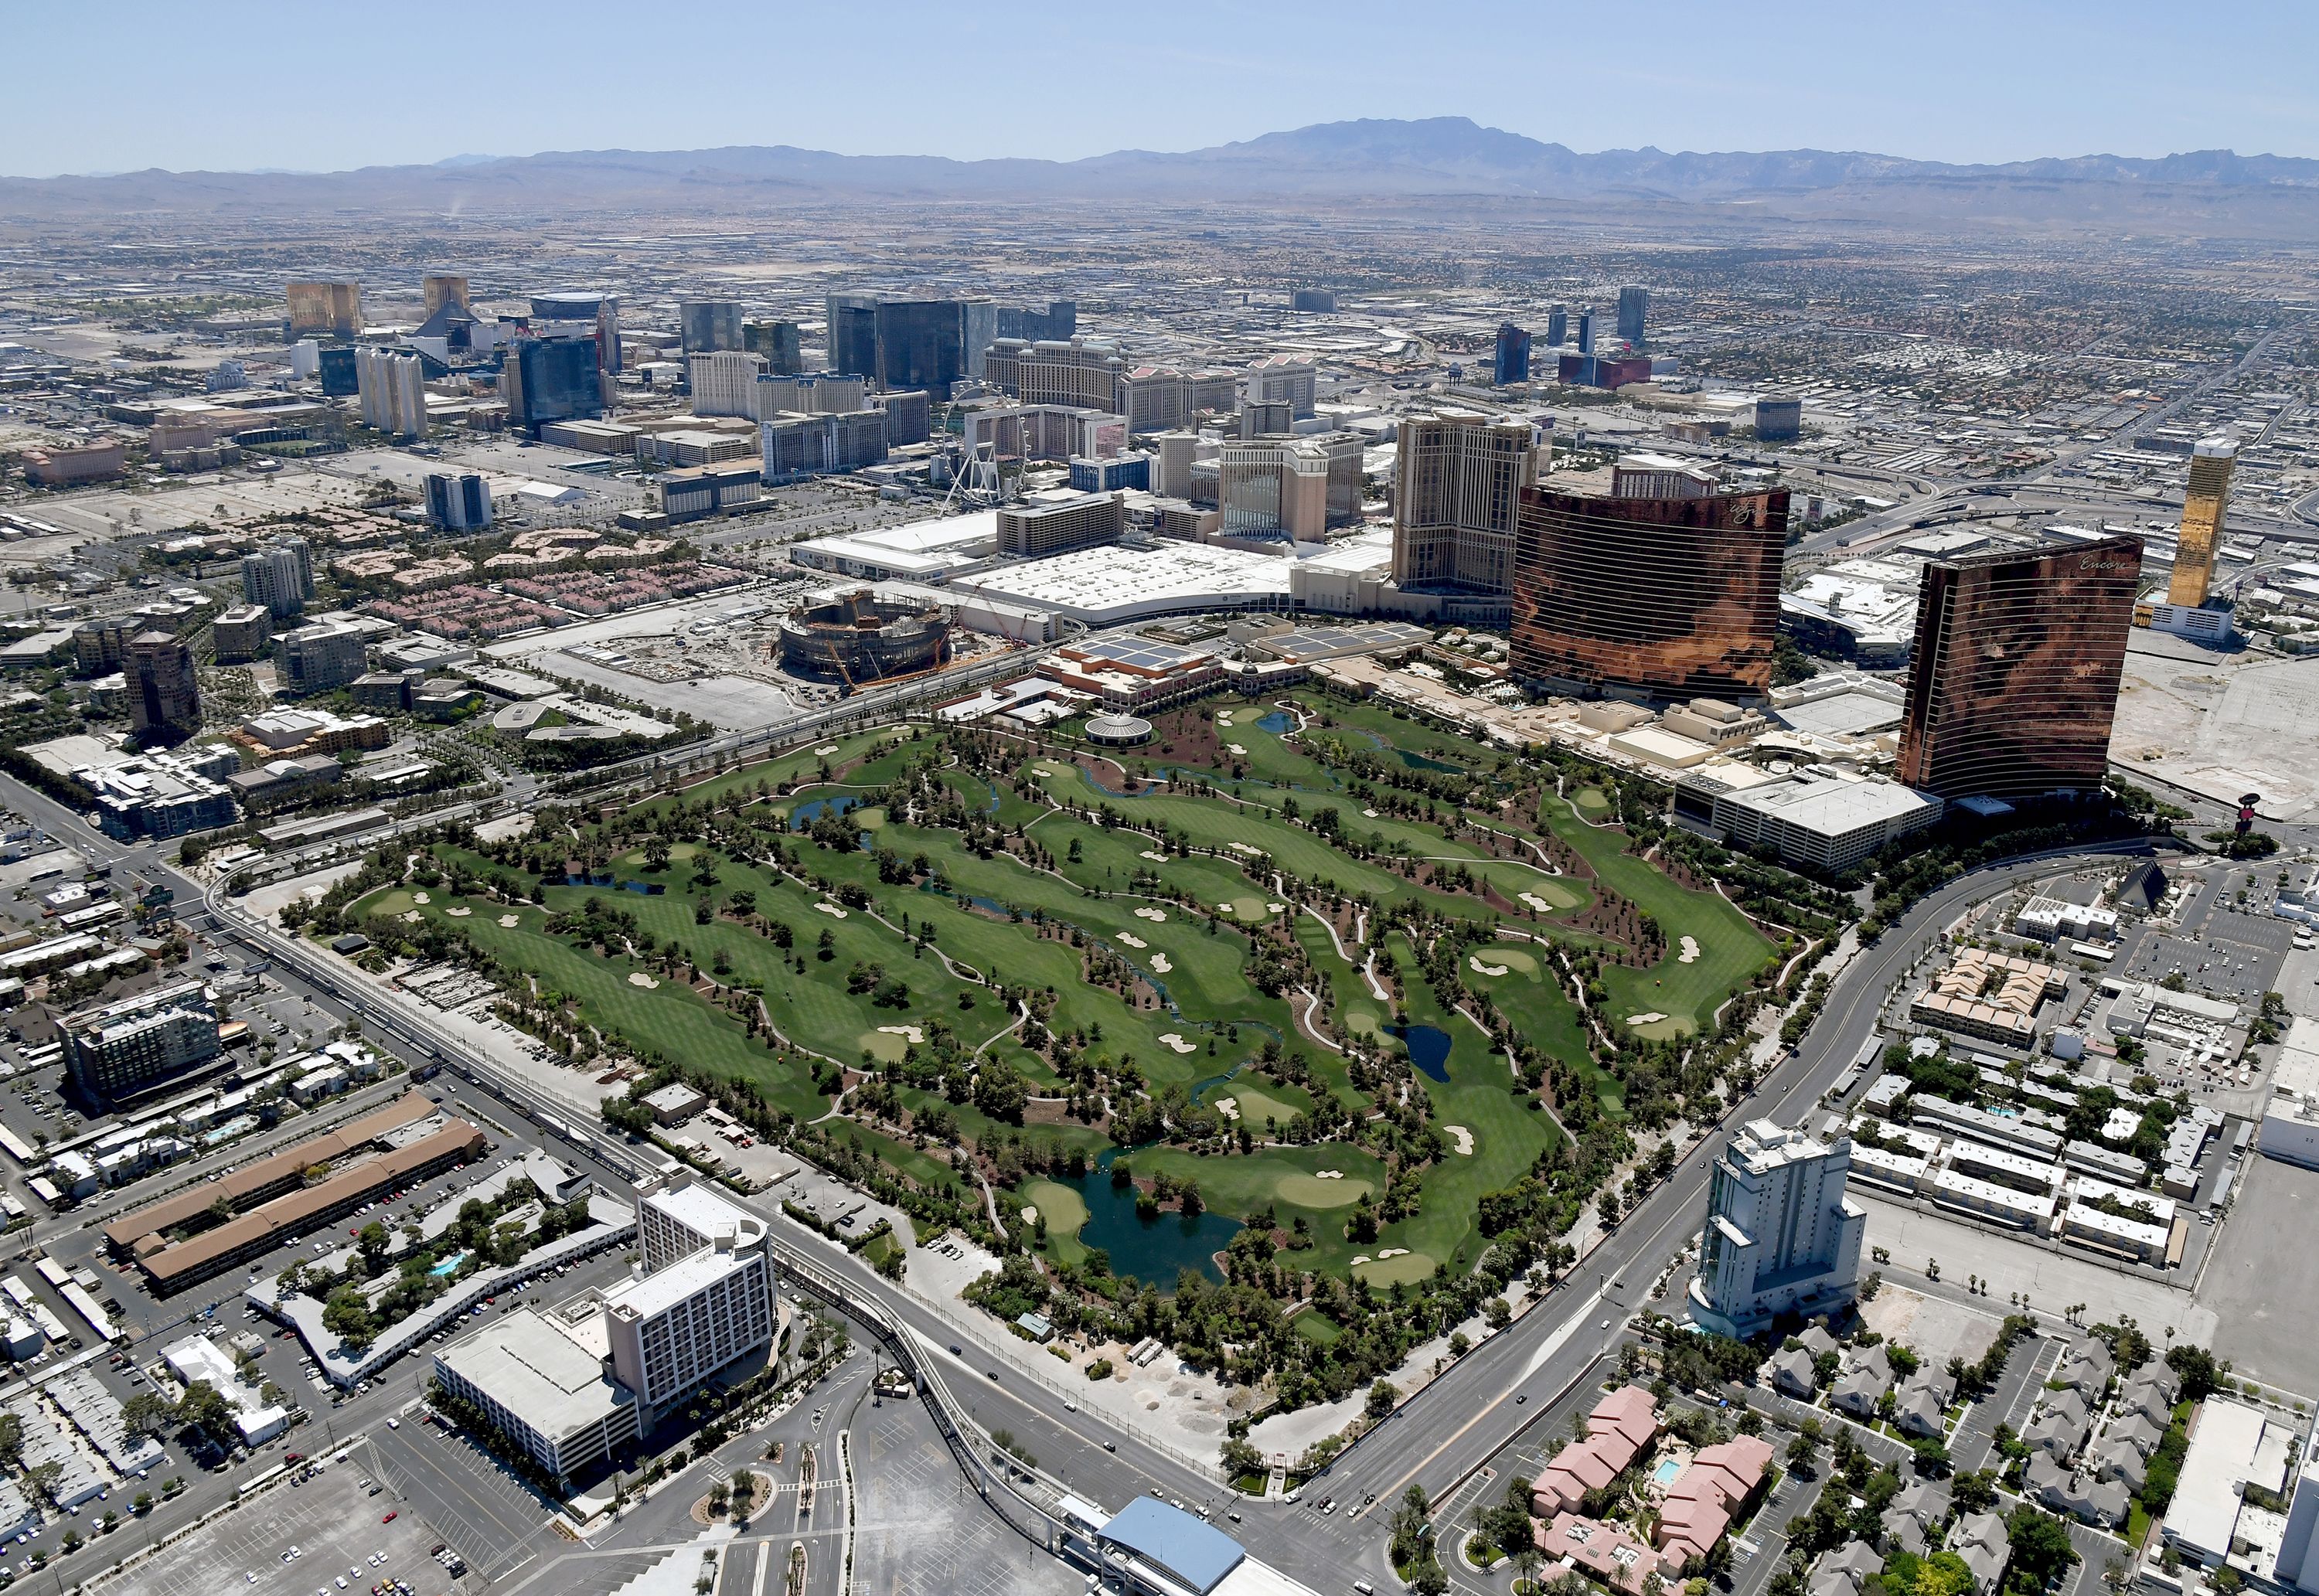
[[1062, 1207], [1511, 957], [1361, 1022], [1409, 1267], [1554, 894], [885, 1045], [1254, 1106], [1310, 1191], [1593, 802], [870, 819]]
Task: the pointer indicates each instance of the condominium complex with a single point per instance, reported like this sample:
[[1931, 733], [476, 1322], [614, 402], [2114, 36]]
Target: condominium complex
[[555, 379], [779, 343], [2205, 503], [725, 383], [1510, 359], [2014, 679], [332, 309], [1634, 308], [798, 445], [1456, 500], [1667, 597], [1077, 373], [125, 1047], [458, 501], [826, 394], [164, 697], [392, 391], [1781, 1235], [281, 578], [332, 653]]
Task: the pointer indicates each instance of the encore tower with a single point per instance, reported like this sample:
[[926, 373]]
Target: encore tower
[[1667, 597], [2013, 680]]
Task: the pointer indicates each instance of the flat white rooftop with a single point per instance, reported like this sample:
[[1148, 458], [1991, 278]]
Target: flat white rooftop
[[1113, 584], [1835, 805], [675, 1283], [537, 1372]]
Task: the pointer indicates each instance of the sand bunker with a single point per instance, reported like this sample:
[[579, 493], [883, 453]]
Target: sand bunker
[[1473, 962], [1460, 1138], [1537, 903], [1245, 848], [825, 751], [418, 897], [831, 908], [511, 921], [1157, 916], [413, 916], [1328, 1175], [1159, 965], [1235, 748], [638, 978], [1132, 941], [1369, 813], [1393, 1252], [909, 1033], [1689, 951], [1275, 908], [1362, 1260], [1652, 1018], [1225, 719], [1227, 1107], [1180, 1044], [459, 914], [1154, 855], [1030, 1214]]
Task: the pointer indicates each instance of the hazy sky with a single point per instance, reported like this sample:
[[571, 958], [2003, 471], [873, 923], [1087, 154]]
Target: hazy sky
[[329, 83]]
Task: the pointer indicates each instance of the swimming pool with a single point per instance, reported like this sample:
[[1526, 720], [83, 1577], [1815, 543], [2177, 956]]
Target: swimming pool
[[1667, 1470], [449, 1266]]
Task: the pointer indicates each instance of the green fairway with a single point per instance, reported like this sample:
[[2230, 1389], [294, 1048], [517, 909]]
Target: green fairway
[[1155, 952]]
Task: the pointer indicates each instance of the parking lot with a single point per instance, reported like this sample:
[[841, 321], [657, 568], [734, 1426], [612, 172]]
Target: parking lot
[[473, 1502], [342, 1546]]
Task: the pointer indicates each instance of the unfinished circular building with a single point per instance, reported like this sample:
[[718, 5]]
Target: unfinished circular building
[[858, 638]]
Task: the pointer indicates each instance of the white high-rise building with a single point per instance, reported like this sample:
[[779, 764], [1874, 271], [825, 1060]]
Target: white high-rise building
[[1782, 1236], [705, 1302], [392, 390], [281, 578], [724, 383]]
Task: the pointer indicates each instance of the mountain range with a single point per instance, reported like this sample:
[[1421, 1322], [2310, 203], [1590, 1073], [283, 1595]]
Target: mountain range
[[1332, 165]]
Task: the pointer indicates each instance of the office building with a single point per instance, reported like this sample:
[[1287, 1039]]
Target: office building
[[333, 309], [443, 288], [1457, 491], [165, 699], [1781, 1235], [2014, 679], [545, 379], [592, 306], [1052, 522], [796, 446], [392, 390], [1634, 306], [1060, 319], [125, 1048], [1510, 362], [724, 383], [458, 501], [1586, 331], [1076, 373], [692, 492], [226, 376], [329, 654], [1662, 597], [710, 325], [281, 578], [1779, 420], [853, 334], [1829, 823], [1608, 371], [1171, 468], [2205, 503], [1319, 302], [778, 343], [909, 416], [1155, 399], [1267, 419], [1283, 379], [161, 795], [1557, 328], [239, 633]]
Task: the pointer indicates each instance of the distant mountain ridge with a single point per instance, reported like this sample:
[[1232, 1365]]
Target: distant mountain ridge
[[1362, 161]]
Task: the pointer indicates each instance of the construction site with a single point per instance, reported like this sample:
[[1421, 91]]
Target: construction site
[[857, 639]]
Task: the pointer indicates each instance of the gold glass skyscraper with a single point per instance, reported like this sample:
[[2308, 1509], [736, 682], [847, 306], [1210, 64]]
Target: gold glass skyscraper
[[2203, 504]]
